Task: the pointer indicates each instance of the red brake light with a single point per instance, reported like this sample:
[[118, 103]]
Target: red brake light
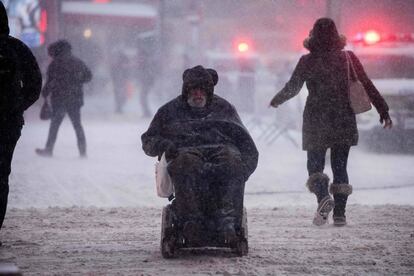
[[243, 47], [371, 37]]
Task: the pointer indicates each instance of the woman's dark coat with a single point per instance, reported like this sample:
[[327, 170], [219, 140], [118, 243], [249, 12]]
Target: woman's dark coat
[[328, 118], [66, 75], [216, 124]]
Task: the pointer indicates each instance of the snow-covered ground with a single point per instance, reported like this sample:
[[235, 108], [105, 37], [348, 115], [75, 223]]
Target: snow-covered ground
[[101, 215], [282, 241]]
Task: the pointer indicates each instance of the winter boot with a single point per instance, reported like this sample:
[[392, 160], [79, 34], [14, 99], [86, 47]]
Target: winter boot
[[340, 193], [318, 184]]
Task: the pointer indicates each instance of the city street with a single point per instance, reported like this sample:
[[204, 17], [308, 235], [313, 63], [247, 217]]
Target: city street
[[101, 215]]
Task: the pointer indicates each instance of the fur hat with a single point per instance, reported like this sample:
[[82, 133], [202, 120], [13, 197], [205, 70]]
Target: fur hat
[[59, 48], [199, 77], [324, 36]]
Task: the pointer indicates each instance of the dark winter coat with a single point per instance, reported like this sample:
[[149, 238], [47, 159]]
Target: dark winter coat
[[216, 124], [328, 118], [66, 75], [28, 72]]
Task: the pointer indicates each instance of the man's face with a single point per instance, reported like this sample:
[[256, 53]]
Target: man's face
[[197, 97]]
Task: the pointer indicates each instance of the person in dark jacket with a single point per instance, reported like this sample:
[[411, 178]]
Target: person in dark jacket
[[210, 154], [328, 119], [66, 75], [147, 74], [22, 88]]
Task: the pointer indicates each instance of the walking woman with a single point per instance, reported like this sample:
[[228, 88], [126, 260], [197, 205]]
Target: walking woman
[[66, 75], [328, 119]]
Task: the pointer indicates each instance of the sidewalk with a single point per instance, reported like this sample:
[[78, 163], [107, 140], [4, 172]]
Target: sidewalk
[[282, 241]]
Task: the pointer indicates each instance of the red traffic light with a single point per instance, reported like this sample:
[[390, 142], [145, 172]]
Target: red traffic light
[[243, 47]]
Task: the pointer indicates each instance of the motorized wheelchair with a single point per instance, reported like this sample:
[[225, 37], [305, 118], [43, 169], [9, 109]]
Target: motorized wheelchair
[[172, 238]]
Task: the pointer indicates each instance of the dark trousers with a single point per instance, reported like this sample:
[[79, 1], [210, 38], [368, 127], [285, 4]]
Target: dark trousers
[[339, 160], [8, 141], [75, 118], [120, 91], [208, 182], [145, 89]]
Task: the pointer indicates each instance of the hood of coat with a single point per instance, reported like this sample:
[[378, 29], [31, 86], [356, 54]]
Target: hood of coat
[[199, 77], [59, 48], [4, 20]]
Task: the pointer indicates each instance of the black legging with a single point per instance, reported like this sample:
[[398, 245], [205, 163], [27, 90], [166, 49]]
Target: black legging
[[57, 118], [8, 140], [339, 160]]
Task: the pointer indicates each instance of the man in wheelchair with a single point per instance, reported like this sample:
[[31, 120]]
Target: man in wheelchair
[[210, 156]]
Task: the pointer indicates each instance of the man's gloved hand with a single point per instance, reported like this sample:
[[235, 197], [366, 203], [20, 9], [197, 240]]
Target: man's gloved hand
[[386, 120], [169, 148]]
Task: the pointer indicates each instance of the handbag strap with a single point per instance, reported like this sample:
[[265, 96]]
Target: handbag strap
[[350, 66]]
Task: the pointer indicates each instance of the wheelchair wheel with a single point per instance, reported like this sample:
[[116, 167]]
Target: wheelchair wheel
[[167, 249], [167, 245], [244, 224], [241, 246]]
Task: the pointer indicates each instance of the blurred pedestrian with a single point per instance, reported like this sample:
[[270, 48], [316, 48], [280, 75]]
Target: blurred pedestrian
[[147, 72], [328, 119], [119, 73], [20, 85], [66, 75]]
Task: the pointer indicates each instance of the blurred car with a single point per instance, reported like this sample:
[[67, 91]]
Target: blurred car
[[389, 63], [237, 69]]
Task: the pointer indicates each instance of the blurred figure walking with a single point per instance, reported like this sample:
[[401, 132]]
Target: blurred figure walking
[[66, 75], [147, 73], [20, 85], [120, 72], [328, 119]]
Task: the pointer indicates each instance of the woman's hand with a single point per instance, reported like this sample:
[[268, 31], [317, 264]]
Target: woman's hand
[[386, 120], [273, 104], [388, 123]]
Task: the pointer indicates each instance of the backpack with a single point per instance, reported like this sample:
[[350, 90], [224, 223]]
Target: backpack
[[10, 81]]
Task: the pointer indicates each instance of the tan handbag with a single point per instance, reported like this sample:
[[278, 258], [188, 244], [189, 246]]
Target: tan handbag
[[358, 96]]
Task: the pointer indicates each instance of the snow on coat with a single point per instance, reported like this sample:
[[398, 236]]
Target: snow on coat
[[66, 75], [216, 124]]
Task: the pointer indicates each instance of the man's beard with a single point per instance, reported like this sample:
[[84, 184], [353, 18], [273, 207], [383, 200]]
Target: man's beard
[[199, 104]]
